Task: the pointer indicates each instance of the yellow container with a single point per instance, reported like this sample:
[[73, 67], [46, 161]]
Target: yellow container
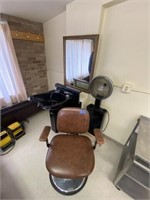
[[16, 129], [5, 139]]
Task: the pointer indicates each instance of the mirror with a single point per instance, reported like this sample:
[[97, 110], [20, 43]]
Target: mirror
[[79, 60]]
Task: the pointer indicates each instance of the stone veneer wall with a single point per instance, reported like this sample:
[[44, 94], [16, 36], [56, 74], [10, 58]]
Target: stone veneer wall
[[30, 54]]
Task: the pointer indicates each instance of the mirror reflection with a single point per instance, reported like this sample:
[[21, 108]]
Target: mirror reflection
[[79, 60]]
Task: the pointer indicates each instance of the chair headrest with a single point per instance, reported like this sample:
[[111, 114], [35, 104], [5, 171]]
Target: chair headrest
[[73, 120]]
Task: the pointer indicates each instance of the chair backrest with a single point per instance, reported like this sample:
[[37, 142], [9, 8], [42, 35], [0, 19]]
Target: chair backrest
[[73, 120]]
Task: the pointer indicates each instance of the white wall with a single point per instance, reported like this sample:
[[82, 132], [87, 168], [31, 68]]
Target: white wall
[[122, 55], [82, 17], [54, 30], [85, 16], [124, 46]]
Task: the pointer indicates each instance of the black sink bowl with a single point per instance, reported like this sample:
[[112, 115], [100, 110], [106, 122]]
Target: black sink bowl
[[50, 100], [54, 100]]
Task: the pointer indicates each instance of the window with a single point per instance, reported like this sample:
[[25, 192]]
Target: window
[[12, 89], [78, 53]]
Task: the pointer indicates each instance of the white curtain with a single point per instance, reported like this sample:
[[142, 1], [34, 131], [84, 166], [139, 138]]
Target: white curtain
[[12, 89], [77, 58]]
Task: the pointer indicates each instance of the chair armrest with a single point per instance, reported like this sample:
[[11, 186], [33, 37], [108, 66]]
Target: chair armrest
[[99, 136], [45, 133]]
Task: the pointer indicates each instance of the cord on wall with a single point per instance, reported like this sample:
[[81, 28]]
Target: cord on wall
[[134, 90]]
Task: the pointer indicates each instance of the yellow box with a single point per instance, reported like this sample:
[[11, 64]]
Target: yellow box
[[5, 139], [16, 129], [14, 126]]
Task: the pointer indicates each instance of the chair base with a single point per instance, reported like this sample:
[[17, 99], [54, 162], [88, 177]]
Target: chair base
[[67, 186]]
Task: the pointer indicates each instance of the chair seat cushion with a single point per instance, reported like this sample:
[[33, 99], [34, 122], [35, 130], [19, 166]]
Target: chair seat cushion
[[70, 156]]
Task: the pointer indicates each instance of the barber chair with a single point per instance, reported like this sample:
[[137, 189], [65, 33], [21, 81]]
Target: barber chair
[[70, 157]]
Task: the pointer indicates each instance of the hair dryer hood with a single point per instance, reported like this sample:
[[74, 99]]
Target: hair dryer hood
[[101, 87]]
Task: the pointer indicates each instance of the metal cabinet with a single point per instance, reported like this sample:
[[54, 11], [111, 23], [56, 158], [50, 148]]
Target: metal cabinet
[[133, 173]]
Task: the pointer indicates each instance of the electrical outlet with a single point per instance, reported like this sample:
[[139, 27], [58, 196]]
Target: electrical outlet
[[127, 87]]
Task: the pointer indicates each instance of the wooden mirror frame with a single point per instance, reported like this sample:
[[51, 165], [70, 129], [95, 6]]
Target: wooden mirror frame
[[95, 38]]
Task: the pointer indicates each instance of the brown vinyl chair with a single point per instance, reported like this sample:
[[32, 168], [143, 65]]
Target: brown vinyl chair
[[70, 157]]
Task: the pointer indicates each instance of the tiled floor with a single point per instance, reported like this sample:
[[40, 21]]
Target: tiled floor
[[24, 175]]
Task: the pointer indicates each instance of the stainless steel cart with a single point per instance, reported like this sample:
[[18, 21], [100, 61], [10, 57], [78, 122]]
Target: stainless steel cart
[[133, 173]]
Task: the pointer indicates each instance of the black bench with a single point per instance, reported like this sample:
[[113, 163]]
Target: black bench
[[18, 112]]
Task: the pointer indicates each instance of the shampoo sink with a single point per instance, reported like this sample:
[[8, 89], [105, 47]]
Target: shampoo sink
[[50, 100], [62, 96]]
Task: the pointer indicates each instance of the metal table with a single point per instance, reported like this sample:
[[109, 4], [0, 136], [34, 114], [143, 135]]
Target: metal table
[[133, 173]]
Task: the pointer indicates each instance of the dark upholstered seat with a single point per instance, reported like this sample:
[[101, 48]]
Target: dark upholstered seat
[[70, 156]]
